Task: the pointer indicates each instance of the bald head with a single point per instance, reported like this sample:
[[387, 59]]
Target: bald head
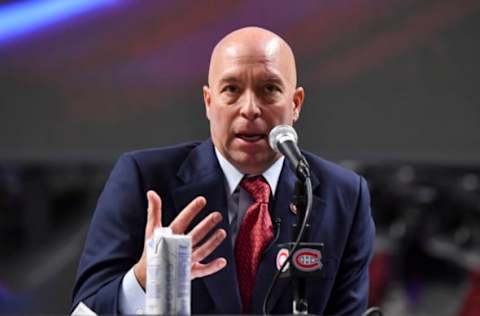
[[261, 44]]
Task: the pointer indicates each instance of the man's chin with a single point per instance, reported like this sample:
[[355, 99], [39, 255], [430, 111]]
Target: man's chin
[[252, 163]]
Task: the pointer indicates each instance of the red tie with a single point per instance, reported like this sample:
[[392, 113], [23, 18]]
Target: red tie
[[255, 233]]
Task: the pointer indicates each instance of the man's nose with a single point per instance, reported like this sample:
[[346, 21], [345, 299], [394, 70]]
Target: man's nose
[[250, 107]]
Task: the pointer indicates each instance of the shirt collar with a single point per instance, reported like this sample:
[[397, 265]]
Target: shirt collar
[[234, 176]]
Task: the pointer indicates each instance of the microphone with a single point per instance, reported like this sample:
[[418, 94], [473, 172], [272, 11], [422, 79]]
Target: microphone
[[283, 139]]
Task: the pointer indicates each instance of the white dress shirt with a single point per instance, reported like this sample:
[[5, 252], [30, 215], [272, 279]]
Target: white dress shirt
[[132, 296]]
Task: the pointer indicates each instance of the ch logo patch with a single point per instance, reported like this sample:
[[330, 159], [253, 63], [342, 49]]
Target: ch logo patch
[[307, 259]]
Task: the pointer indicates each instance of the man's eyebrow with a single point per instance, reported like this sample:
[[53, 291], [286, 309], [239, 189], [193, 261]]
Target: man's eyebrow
[[273, 78], [229, 79], [270, 78]]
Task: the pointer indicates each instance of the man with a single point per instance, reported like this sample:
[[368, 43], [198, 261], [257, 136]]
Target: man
[[212, 190]]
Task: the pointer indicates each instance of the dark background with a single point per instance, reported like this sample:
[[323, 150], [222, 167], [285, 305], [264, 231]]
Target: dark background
[[391, 87]]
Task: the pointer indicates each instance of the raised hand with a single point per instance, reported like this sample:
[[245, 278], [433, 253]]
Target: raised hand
[[179, 225]]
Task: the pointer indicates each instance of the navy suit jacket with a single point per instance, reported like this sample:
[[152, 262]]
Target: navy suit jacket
[[340, 219]]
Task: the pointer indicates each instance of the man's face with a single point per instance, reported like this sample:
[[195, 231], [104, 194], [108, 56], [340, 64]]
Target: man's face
[[251, 91]]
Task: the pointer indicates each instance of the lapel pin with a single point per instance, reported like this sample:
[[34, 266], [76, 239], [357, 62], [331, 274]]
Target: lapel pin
[[293, 208]]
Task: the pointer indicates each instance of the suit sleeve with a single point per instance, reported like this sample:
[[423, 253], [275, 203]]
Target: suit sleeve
[[350, 291], [115, 239]]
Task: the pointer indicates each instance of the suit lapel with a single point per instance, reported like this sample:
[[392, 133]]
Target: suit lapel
[[202, 175], [280, 209]]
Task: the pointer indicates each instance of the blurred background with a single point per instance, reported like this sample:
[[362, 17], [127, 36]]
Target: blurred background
[[391, 92]]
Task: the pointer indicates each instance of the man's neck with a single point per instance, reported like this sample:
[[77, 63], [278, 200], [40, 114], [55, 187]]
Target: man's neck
[[234, 176]]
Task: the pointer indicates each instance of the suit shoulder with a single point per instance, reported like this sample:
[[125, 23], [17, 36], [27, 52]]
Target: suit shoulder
[[161, 158], [162, 154], [336, 181], [332, 173]]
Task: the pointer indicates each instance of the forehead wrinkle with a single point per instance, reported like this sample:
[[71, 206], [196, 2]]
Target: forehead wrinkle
[[262, 73]]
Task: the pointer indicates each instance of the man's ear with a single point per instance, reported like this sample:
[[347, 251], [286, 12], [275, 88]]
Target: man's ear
[[207, 99], [298, 98]]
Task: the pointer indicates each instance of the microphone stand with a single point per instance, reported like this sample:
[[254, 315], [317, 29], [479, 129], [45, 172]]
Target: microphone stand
[[300, 303], [304, 257]]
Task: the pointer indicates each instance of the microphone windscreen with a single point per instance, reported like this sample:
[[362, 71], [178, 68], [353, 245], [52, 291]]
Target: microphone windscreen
[[281, 133]]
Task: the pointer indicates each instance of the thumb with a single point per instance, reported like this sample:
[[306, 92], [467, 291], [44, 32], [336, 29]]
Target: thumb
[[154, 217]]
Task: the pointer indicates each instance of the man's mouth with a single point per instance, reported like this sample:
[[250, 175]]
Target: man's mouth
[[251, 138]]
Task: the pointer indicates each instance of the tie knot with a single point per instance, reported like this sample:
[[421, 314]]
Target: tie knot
[[257, 187]]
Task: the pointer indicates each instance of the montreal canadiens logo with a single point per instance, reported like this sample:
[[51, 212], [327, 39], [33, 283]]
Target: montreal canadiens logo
[[282, 255], [307, 259]]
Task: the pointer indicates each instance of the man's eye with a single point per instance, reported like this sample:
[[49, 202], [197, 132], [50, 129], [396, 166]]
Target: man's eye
[[230, 89], [271, 88]]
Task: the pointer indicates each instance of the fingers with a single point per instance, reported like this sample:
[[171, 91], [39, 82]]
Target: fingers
[[154, 217], [178, 226], [209, 246], [202, 229], [200, 270], [181, 222]]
